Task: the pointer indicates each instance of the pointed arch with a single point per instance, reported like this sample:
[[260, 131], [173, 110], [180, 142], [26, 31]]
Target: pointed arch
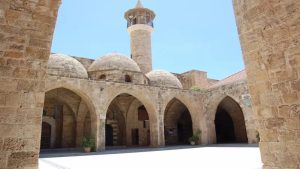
[[178, 124], [225, 112], [135, 132], [74, 105], [230, 122]]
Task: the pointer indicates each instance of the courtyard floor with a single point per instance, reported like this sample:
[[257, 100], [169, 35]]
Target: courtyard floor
[[183, 157]]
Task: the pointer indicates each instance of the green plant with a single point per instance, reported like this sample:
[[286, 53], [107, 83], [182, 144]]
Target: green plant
[[195, 88], [257, 136], [88, 142], [195, 137]]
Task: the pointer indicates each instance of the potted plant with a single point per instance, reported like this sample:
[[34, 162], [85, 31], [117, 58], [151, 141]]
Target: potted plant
[[195, 137], [88, 143]]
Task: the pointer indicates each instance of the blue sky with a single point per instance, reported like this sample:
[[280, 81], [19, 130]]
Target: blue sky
[[191, 34]]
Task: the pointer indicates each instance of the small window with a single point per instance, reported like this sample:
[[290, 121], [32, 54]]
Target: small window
[[142, 114], [102, 77], [127, 78]]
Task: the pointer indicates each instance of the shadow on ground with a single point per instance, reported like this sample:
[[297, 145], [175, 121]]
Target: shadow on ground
[[53, 153]]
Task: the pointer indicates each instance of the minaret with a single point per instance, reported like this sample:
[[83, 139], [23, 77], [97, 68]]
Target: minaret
[[140, 27]]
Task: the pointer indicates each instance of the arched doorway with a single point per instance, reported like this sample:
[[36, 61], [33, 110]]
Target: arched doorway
[[127, 122], [178, 123], [230, 123], [46, 136], [70, 116]]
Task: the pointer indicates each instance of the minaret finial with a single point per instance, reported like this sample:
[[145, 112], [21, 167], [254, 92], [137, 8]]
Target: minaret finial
[[139, 4]]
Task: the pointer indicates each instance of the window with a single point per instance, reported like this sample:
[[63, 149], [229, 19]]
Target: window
[[102, 77], [127, 78]]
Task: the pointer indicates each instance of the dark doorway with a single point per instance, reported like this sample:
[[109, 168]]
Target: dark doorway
[[184, 127], [230, 123], [224, 127], [135, 136], [109, 137], [46, 136]]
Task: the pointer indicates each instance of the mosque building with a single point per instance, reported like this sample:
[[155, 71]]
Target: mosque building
[[120, 101]]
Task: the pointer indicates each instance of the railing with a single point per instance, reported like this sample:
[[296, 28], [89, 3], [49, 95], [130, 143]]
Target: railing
[[134, 23]]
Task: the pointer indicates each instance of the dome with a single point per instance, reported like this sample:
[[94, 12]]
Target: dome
[[114, 61], [66, 66], [163, 78]]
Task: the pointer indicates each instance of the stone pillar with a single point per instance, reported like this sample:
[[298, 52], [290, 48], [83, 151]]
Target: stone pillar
[[270, 38], [100, 144], [26, 29], [155, 135], [79, 132]]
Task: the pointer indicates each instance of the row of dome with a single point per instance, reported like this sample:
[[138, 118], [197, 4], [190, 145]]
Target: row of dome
[[110, 67]]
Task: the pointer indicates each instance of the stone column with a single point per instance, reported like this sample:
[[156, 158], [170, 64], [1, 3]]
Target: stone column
[[270, 38], [26, 29], [100, 144]]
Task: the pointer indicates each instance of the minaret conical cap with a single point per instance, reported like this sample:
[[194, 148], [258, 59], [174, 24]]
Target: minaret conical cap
[[139, 4]]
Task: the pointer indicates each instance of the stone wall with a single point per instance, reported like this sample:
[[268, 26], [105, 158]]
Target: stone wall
[[84, 61], [24, 51], [269, 33], [195, 79], [119, 76]]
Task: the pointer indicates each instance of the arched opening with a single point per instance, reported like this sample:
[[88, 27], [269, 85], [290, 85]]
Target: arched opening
[[128, 79], [69, 114], [178, 123], [127, 122], [230, 123], [102, 77]]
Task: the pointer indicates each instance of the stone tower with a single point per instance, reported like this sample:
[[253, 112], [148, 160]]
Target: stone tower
[[140, 27]]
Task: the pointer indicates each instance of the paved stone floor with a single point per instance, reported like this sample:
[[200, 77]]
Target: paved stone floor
[[183, 157]]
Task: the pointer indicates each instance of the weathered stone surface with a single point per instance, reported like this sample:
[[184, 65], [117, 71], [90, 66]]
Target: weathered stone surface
[[22, 159], [13, 144], [268, 33], [22, 75], [3, 160]]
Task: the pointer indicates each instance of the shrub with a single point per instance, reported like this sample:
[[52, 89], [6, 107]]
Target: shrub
[[195, 137], [88, 142], [195, 88]]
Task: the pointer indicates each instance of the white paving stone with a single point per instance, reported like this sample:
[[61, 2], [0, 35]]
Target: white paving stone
[[204, 158]]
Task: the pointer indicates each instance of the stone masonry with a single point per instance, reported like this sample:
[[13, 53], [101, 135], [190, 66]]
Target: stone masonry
[[269, 33], [26, 30]]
